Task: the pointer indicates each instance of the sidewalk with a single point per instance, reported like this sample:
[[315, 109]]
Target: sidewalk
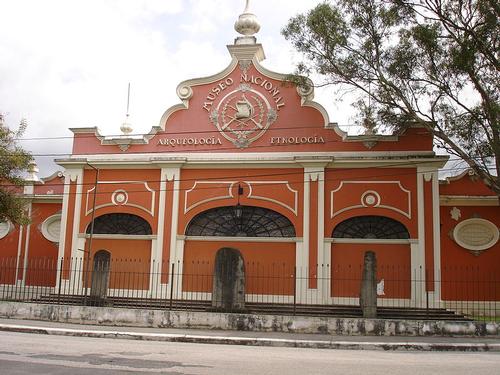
[[317, 341]]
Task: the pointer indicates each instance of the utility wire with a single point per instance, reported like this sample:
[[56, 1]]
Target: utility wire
[[226, 179], [167, 149], [166, 132]]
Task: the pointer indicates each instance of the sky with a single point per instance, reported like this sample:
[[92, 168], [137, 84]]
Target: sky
[[67, 63]]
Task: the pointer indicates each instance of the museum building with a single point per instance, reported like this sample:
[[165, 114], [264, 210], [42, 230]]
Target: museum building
[[249, 166]]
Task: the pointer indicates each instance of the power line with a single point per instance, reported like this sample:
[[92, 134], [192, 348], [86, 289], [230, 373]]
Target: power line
[[171, 149], [225, 178], [386, 166], [166, 133]]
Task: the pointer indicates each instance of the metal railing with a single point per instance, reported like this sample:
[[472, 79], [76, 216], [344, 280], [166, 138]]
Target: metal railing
[[323, 289]]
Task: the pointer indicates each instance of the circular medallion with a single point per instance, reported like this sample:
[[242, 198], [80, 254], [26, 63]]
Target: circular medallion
[[243, 116], [370, 198], [119, 197]]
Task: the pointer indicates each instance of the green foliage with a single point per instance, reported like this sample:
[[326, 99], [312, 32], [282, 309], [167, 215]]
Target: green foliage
[[14, 162], [434, 63]]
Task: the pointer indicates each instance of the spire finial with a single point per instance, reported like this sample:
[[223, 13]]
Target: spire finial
[[247, 23], [126, 128]]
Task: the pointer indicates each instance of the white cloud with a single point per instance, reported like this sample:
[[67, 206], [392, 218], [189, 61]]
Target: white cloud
[[67, 63]]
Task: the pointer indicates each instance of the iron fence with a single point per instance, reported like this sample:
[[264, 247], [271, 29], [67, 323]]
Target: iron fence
[[453, 292]]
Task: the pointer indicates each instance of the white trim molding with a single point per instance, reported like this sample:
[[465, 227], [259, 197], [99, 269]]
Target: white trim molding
[[240, 239], [295, 193], [468, 200], [386, 241], [149, 210], [119, 236], [229, 194], [377, 195]]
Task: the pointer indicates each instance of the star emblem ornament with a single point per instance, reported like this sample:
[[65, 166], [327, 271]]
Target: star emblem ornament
[[243, 116]]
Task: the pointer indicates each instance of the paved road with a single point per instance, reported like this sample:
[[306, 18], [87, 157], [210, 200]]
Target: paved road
[[41, 354]]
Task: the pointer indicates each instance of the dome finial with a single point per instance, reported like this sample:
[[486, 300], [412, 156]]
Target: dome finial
[[247, 23], [32, 172]]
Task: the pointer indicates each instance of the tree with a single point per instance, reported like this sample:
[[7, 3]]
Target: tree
[[14, 161], [429, 62]]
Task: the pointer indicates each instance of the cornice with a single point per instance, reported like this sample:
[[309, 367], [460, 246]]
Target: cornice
[[122, 141], [283, 159], [468, 200]]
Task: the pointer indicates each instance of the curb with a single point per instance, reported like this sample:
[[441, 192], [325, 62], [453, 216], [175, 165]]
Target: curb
[[257, 341]]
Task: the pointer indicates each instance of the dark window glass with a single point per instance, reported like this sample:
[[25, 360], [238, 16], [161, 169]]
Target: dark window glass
[[371, 227], [120, 224], [240, 221]]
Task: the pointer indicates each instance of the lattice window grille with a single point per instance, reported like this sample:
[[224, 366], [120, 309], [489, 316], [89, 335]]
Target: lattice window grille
[[253, 222], [119, 223], [371, 227]]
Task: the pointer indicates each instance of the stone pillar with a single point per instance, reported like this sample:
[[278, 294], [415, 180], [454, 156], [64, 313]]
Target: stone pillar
[[368, 296], [229, 280]]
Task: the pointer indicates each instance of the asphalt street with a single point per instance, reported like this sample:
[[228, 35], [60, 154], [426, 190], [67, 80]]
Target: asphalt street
[[22, 353]]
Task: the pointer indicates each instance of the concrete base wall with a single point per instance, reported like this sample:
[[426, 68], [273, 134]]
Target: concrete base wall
[[243, 322]]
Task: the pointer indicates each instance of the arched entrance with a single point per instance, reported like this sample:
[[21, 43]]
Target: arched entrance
[[128, 243], [246, 251], [228, 280], [100, 275], [388, 240]]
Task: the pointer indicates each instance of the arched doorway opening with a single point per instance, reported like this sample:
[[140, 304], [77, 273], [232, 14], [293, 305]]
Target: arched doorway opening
[[266, 245], [127, 239], [388, 240]]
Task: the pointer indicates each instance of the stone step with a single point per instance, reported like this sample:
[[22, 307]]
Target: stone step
[[341, 311]]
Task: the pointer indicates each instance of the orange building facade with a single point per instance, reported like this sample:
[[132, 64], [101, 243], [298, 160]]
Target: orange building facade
[[250, 162]]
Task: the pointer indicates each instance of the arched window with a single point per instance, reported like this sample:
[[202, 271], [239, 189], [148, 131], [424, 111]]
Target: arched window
[[120, 224], [371, 227], [240, 221]]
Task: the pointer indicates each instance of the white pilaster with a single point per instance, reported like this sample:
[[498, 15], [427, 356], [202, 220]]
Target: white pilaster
[[423, 173], [27, 245], [70, 175], [178, 272], [75, 278], [157, 245], [326, 286], [77, 175], [154, 271], [417, 276], [19, 248], [64, 217], [313, 172], [176, 246], [437, 236], [303, 258]]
